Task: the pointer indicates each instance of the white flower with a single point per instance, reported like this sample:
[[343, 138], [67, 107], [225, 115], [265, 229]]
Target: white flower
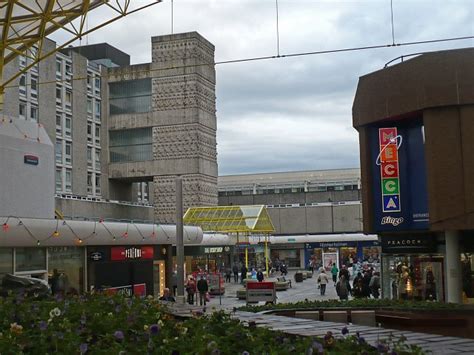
[[55, 312], [110, 314], [160, 323]]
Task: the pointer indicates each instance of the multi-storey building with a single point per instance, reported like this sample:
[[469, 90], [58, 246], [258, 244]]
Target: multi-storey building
[[122, 131]]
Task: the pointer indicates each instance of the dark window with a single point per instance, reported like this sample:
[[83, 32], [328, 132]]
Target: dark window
[[131, 145], [132, 96]]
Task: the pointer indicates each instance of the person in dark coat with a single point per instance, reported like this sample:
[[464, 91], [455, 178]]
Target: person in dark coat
[[366, 284], [243, 273], [202, 287], [167, 296], [235, 270], [260, 276]]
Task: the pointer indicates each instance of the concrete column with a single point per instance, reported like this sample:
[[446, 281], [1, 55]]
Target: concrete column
[[453, 267], [169, 265], [179, 237]]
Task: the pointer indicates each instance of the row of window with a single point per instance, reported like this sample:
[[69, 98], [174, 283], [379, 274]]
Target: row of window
[[64, 181], [320, 188]]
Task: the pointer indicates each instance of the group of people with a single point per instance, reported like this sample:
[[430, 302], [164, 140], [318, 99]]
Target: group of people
[[192, 287], [363, 286]]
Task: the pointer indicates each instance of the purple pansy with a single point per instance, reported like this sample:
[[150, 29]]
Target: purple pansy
[[154, 329], [345, 331], [83, 348], [119, 335], [43, 325]]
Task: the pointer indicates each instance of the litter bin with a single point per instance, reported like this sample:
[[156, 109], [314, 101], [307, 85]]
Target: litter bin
[[299, 277]]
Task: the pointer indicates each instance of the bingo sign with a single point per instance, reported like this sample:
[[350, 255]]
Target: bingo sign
[[389, 170], [399, 177]]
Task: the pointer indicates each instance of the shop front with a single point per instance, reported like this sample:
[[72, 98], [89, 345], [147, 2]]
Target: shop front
[[290, 254], [207, 258], [412, 268], [345, 253], [138, 270]]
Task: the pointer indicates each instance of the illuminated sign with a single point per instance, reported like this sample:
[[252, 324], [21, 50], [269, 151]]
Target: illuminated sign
[[130, 253], [389, 169]]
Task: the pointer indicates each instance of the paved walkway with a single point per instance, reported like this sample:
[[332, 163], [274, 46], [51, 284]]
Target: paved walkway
[[437, 344]]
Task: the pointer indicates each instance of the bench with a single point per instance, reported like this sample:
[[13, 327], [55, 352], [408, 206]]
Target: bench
[[283, 279]]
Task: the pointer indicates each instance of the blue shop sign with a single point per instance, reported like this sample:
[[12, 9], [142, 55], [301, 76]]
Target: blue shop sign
[[399, 177]]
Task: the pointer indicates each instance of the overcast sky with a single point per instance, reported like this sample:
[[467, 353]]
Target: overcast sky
[[292, 113]]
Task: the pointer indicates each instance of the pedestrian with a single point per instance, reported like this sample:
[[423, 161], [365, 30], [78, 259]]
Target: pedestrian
[[344, 272], [243, 273], [260, 276], [366, 284], [174, 282], [358, 288], [323, 280], [283, 270], [167, 296], [343, 288], [202, 287], [191, 290], [356, 279], [253, 274], [235, 270], [334, 271], [375, 284], [228, 273]]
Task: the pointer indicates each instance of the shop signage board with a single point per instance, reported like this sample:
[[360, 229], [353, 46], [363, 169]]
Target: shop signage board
[[31, 159], [128, 290], [261, 291], [408, 244], [399, 177], [131, 253], [96, 256]]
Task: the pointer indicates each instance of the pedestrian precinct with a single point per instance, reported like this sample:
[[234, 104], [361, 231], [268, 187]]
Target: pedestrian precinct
[[334, 271], [202, 287], [322, 280]]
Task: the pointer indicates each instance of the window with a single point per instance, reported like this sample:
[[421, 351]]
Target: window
[[59, 124], [97, 159], [97, 85], [89, 157], [34, 113], [59, 179], [34, 87], [131, 145], [89, 80], [59, 94], [59, 151], [97, 134], [6, 261], [68, 153], [89, 106], [89, 132], [59, 70], [22, 85], [68, 99], [68, 125], [68, 180], [97, 110], [22, 59], [89, 182], [30, 259], [97, 184], [68, 69], [132, 96], [22, 109]]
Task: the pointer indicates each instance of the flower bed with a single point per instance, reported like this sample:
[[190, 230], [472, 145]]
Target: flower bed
[[362, 303], [98, 324]]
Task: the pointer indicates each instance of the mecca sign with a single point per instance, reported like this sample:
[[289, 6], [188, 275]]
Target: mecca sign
[[390, 178]]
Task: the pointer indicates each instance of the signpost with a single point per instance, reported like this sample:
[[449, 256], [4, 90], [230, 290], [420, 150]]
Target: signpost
[[261, 291]]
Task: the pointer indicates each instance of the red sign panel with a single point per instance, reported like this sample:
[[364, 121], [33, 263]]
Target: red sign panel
[[131, 253], [260, 285], [129, 290]]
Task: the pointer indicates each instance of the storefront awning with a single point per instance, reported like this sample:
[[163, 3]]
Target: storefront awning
[[252, 219]]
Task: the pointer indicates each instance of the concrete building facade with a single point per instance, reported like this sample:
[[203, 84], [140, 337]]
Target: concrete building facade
[[119, 128]]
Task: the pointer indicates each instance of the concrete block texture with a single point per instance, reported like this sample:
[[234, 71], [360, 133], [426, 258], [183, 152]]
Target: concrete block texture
[[363, 318], [198, 190], [335, 316]]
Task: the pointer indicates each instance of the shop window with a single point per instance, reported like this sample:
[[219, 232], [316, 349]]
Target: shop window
[[30, 259], [6, 261], [65, 270]]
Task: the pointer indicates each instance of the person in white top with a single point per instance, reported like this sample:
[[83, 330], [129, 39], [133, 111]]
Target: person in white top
[[322, 280]]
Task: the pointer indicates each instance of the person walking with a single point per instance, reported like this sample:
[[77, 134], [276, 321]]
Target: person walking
[[343, 288], [243, 273], [322, 280], [235, 270], [375, 284], [202, 287], [228, 273], [260, 275], [191, 290], [334, 271]]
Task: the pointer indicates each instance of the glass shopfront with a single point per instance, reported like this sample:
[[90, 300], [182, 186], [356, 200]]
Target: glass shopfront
[[66, 269], [210, 259], [30, 260], [6, 261], [291, 257], [418, 277]]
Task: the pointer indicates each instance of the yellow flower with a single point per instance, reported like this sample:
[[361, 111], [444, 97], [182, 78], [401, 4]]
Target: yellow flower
[[145, 327], [16, 328]]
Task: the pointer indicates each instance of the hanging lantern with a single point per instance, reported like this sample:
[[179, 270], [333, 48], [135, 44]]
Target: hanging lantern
[[5, 227], [56, 234], [125, 235]]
